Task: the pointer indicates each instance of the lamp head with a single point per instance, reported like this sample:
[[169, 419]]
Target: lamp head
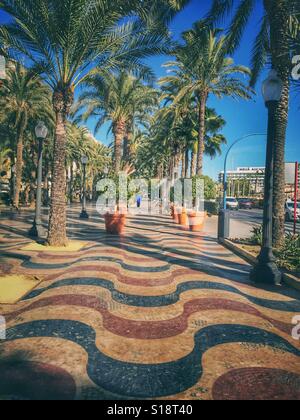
[[272, 87], [41, 130], [84, 160]]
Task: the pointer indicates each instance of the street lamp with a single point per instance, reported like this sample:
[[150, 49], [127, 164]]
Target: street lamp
[[266, 270], [84, 214], [37, 230], [224, 214], [13, 181]]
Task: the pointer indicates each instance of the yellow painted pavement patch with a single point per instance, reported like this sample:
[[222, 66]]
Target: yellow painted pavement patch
[[73, 246], [14, 287]]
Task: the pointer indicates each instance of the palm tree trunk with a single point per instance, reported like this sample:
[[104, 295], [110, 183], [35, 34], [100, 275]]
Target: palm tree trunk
[[187, 163], [57, 235], [19, 162], [125, 147], [193, 163], [71, 182], [57, 232], [278, 13], [279, 169], [177, 159], [201, 139], [183, 169], [119, 133]]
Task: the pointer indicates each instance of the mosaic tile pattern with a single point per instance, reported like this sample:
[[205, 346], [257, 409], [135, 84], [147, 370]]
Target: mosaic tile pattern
[[159, 313]]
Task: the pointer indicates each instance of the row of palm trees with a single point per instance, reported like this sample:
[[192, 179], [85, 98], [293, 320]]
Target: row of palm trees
[[64, 42], [122, 100], [203, 68], [275, 42], [100, 46], [23, 100]]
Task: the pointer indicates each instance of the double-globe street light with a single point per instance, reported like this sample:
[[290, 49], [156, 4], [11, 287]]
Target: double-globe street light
[[266, 270], [37, 230], [84, 213]]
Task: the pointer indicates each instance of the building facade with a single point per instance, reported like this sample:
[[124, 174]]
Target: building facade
[[255, 177]]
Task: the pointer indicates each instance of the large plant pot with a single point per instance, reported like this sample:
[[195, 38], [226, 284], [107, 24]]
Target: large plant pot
[[196, 221], [174, 214], [115, 223], [172, 210], [183, 219]]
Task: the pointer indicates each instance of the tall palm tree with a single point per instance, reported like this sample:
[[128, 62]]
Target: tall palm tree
[[80, 142], [64, 41], [203, 68], [272, 40], [120, 99], [23, 97], [174, 135]]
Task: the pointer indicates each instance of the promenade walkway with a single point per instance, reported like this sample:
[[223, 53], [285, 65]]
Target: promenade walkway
[[159, 313]]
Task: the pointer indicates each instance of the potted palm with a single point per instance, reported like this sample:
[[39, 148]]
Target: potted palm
[[174, 213], [196, 220], [115, 222], [183, 218]]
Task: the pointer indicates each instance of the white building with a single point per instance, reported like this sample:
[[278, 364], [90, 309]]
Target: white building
[[255, 175]]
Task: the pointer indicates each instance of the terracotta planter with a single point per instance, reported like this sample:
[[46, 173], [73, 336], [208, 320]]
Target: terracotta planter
[[172, 211], [175, 215], [196, 221], [115, 223], [183, 219]]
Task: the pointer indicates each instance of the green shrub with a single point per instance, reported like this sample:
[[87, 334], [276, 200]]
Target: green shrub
[[257, 236], [212, 207], [289, 255], [210, 187]]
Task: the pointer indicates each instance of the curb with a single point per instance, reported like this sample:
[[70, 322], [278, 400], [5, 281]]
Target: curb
[[288, 278]]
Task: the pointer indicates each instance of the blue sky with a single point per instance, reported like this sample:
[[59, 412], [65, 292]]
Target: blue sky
[[242, 117]]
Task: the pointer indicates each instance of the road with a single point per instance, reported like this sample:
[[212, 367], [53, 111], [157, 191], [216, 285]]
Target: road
[[243, 221]]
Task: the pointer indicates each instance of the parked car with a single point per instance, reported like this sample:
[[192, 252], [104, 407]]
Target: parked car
[[232, 203], [246, 204], [289, 211]]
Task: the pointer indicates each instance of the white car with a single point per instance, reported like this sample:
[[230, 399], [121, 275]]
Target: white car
[[232, 203], [289, 211]]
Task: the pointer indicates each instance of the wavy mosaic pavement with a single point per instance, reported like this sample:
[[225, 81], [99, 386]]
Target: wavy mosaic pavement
[[158, 313]]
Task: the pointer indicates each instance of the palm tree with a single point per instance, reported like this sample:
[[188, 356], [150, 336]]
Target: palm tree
[[202, 68], [23, 97], [64, 41], [80, 142], [213, 140], [120, 99], [173, 135], [272, 40]]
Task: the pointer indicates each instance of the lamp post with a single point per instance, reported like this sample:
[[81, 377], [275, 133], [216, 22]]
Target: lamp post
[[225, 183], [224, 214], [266, 270], [37, 230], [84, 214], [12, 184]]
